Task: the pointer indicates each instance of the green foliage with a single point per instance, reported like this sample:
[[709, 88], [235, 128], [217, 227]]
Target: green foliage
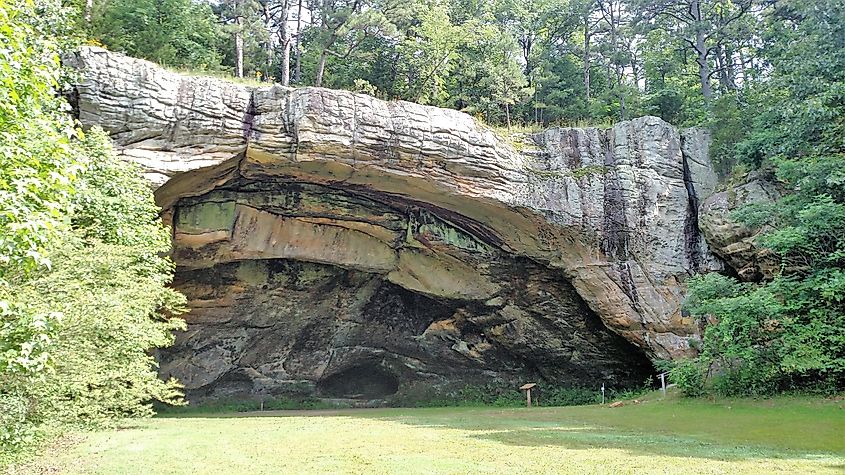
[[786, 333], [37, 165], [470, 395], [798, 110], [245, 405], [688, 375], [77, 336], [82, 273], [177, 33]]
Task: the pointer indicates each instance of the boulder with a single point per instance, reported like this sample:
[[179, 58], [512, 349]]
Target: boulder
[[733, 241]]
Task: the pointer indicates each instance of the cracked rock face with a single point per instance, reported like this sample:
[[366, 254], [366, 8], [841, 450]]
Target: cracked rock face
[[334, 244], [733, 241]]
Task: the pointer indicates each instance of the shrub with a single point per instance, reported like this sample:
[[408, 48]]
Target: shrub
[[688, 375], [574, 396]]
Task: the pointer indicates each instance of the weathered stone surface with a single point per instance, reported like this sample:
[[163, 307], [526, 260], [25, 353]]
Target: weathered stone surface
[[325, 235], [733, 241]]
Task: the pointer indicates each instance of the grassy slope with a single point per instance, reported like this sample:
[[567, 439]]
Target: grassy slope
[[783, 435]]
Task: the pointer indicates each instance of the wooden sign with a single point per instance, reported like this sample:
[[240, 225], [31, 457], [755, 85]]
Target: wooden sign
[[527, 388]]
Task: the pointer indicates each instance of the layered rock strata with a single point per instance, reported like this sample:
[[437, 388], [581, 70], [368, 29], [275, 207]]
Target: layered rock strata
[[734, 241], [339, 245]]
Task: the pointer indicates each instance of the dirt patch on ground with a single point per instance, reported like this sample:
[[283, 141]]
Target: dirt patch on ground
[[47, 465]]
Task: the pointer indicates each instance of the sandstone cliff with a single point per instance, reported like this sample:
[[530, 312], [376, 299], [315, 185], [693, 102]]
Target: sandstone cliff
[[337, 244], [735, 242]]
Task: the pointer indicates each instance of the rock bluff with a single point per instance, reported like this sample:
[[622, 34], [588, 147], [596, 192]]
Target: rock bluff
[[334, 244]]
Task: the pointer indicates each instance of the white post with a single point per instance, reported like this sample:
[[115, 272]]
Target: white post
[[663, 384], [602, 393]]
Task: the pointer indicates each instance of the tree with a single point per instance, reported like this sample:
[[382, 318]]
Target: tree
[[702, 25], [795, 109], [537, 26], [178, 33], [348, 23], [614, 15], [38, 166], [250, 48], [672, 88], [488, 76]]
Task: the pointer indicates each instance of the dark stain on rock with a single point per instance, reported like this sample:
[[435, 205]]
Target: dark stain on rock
[[692, 233], [615, 233], [249, 117]]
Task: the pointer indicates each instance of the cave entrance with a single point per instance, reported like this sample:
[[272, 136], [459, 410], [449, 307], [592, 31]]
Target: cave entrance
[[367, 381]]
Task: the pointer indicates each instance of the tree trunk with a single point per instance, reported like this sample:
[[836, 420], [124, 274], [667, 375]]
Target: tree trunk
[[703, 66], [239, 47], [285, 66], [730, 71], [321, 68], [701, 51], [268, 48], [635, 68], [89, 5], [623, 111], [284, 34], [724, 83], [617, 69], [742, 69], [297, 72], [324, 55], [587, 34], [526, 42], [508, 115]]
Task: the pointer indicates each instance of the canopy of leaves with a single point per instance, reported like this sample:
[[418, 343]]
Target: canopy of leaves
[[37, 166], [176, 33]]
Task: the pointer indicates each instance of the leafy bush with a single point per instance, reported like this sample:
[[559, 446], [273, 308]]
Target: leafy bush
[[688, 375], [14, 430], [108, 281], [569, 396]]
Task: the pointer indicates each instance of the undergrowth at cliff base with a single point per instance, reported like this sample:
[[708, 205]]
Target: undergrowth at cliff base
[[247, 405], [499, 396], [468, 396]]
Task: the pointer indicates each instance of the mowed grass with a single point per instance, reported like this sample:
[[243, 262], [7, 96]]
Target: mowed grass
[[785, 435]]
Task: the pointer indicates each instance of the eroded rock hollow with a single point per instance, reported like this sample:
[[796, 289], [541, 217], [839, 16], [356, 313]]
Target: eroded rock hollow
[[336, 245]]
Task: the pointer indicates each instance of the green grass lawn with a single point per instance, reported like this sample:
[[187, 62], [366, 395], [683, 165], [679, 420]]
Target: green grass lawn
[[784, 435]]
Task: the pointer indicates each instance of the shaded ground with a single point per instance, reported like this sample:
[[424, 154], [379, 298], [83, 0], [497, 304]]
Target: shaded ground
[[782, 436]]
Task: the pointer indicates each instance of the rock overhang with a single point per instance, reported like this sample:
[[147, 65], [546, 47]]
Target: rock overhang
[[602, 216]]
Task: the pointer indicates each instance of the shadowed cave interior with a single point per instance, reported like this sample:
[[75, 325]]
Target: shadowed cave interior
[[299, 289]]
